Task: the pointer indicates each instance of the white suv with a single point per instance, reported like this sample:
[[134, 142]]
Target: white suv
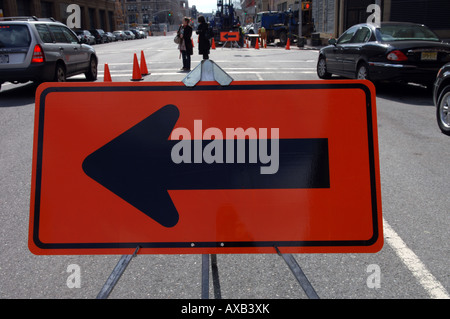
[[41, 50]]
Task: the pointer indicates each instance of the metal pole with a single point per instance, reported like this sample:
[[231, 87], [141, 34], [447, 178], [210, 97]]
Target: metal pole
[[299, 275], [115, 275]]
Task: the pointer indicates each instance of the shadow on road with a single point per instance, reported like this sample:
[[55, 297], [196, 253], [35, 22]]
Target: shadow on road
[[405, 93], [18, 96]]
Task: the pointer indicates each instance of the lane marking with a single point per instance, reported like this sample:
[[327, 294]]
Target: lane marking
[[433, 287]]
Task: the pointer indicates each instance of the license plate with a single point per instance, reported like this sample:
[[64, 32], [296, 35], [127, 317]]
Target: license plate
[[428, 56], [4, 58]]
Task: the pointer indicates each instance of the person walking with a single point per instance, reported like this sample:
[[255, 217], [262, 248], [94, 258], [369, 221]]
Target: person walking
[[203, 38], [185, 46]]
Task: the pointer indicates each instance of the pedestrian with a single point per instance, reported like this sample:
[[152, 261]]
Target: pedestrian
[[203, 38], [263, 35], [185, 46]]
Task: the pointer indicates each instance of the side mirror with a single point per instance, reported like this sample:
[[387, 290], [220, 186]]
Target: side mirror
[[332, 41]]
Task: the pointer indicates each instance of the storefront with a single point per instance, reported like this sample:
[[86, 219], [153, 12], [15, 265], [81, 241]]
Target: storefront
[[333, 17]]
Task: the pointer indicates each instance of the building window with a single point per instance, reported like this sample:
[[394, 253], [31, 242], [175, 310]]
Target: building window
[[24, 7], [46, 9]]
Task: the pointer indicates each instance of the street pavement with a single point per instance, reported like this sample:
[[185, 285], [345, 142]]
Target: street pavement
[[414, 155]]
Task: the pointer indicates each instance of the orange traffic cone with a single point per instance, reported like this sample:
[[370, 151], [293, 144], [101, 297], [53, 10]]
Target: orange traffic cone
[[257, 44], [288, 44], [136, 71], [107, 75], [246, 43], [144, 70], [213, 44]]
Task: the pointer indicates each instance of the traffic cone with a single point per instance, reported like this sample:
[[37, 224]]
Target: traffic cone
[[144, 70], [107, 75], [192, 41], [288, 44], [213, 44], [136, 71], [246, 43], [257, 44]]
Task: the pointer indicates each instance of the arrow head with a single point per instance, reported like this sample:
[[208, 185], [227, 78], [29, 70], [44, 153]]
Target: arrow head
[[132, 165]]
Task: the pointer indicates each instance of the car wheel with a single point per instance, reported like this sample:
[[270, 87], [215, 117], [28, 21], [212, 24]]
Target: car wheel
[[443, 111], [60, 73], [362, 73], [322, 68], [91, 74]]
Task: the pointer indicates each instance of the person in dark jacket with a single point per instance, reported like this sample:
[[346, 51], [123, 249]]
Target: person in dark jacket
[[185, 46], [203, 38]]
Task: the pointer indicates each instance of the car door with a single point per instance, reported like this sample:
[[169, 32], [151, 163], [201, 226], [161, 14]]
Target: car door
[[79, 56], [67, 50], [352, 51], [335, 55]]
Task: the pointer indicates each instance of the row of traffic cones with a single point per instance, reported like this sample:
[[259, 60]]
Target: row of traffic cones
[[138, 71], [288, 44]]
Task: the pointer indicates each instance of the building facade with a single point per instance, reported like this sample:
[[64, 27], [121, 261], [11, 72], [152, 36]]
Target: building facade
[[94, 14], [333, 17], [145, 12]]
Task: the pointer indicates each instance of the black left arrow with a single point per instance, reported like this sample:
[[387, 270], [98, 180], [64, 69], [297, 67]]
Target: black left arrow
[[137, 166], [230, 36]]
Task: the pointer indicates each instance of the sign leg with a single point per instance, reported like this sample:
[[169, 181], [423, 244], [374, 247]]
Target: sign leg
[[115, 275], [299, 275]]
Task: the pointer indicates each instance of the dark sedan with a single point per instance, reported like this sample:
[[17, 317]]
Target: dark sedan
[[394, 51], [441, 96]]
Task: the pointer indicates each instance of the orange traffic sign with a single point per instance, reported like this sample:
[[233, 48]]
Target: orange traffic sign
[[229, 36], [209, 169]]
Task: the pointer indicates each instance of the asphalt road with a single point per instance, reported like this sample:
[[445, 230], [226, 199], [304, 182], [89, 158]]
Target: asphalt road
[[414, 179]]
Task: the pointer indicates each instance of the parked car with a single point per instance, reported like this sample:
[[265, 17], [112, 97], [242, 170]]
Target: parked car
[[42, 50], [129, 34], [111, 37], [441, 97], [85, 36], [143, 34], [100, 35], [136, 33], [120, 35], [394, 51]]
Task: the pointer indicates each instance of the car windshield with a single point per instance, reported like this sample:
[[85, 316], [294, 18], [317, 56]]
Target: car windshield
[[14, 36], [406, 33]]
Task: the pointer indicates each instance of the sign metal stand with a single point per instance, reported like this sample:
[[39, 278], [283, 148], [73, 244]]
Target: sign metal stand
[[116, 274], [207, 70]]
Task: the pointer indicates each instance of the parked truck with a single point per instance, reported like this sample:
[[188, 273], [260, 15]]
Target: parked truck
[[280, 25]]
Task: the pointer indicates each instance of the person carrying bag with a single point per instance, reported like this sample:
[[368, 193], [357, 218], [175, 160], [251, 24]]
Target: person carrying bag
[[185, 43]]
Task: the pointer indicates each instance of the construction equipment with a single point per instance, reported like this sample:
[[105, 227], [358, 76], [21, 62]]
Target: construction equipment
[[282, 25], [225, 19]]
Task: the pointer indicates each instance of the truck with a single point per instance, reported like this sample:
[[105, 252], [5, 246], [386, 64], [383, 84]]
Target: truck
[[280, 25]]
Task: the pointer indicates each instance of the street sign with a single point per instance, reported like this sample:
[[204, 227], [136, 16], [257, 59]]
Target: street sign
[[229, 36], [238, 169]]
